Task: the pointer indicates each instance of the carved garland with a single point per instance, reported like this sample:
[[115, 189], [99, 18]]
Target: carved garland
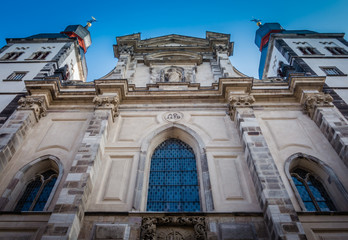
[[149, 224], [312, 101], [107, 102], [239, 101], [36, 104]]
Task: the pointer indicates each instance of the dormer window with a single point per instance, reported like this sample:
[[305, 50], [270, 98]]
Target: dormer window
[[337, 50], [39, 55], [308, 50], [11, 55]]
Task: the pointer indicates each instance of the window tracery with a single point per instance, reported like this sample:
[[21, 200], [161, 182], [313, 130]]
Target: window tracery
[[311, 191], [37, 192]]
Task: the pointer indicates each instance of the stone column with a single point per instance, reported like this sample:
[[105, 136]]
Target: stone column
[[279, 214], [332, 124], [13, 132], [67, 217]]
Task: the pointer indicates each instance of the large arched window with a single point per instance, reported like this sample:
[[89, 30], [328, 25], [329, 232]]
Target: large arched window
[[173, 183], [37, 192]]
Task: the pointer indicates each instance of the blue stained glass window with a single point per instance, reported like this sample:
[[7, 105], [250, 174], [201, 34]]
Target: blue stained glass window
[[312, 192], [37, 192], [173, 183]]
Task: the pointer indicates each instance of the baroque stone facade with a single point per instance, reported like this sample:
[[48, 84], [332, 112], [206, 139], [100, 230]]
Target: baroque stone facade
[[238, 154]]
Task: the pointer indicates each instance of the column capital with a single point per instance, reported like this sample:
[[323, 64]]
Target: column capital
[[107, 102], [313, 100], [35, 103], [239, 101]]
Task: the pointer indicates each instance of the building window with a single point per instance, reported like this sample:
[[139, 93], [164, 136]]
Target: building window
[[39, 55], [16, 76], [337, 50], [173, 183], [311, 191], [11, 55], [332, 71], [308, 50], [37, 192]]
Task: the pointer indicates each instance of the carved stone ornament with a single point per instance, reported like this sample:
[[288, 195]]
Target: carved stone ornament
[[312, 101], [126, 49], [236, 101], [173, 228], [107, 102], [220, 48], [173, 116], [36, 104]]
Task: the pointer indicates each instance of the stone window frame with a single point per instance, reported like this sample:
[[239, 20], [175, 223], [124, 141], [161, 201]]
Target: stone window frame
[[308, 50], [329, 70], [39, 55], [335, 50], [149, 144], [10, 56], [16, 76], [24, 175], [323, 173]]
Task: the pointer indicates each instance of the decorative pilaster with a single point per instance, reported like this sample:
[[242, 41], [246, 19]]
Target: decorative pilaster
[[239, 101], [312, 101], [35, 103], [107, 103], [66, 219], [280, 216]]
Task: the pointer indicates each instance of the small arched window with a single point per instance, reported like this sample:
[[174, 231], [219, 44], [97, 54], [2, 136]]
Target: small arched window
[[311, 191], [37, 192], [173, 183]]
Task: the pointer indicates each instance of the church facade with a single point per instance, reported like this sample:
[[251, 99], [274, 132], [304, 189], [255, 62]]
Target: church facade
[[173, 143]]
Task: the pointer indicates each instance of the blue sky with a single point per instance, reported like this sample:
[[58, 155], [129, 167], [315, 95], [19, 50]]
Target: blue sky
[[157, 18]]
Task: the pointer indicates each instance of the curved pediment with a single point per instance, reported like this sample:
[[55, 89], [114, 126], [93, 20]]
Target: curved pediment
[[170, 57]]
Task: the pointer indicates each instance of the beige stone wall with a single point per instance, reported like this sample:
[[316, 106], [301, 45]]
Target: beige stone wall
[[134, 136], [325, 227], [289, 132], [58, 134]]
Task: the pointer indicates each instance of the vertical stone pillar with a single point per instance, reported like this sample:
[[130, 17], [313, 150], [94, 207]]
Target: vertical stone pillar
[[13, 132], [279, 214], [331, 123], [67, 217]]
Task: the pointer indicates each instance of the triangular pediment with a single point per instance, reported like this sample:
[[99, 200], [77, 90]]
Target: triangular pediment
[[174, 40]]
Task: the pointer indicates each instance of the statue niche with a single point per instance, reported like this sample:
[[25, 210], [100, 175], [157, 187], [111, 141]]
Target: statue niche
[[172, 74]]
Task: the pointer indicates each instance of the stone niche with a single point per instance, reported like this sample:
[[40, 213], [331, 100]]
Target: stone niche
[[178, 228], [173, 74]]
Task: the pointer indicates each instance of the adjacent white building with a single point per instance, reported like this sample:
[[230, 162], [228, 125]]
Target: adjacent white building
[[57, 55], [286, 52]]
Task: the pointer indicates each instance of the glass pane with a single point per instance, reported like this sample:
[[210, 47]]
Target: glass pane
[[317, 195], [296, 181], [310, 206], [29, 195], [45, 194], [323, 206], [173, 183], [303, 193]]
